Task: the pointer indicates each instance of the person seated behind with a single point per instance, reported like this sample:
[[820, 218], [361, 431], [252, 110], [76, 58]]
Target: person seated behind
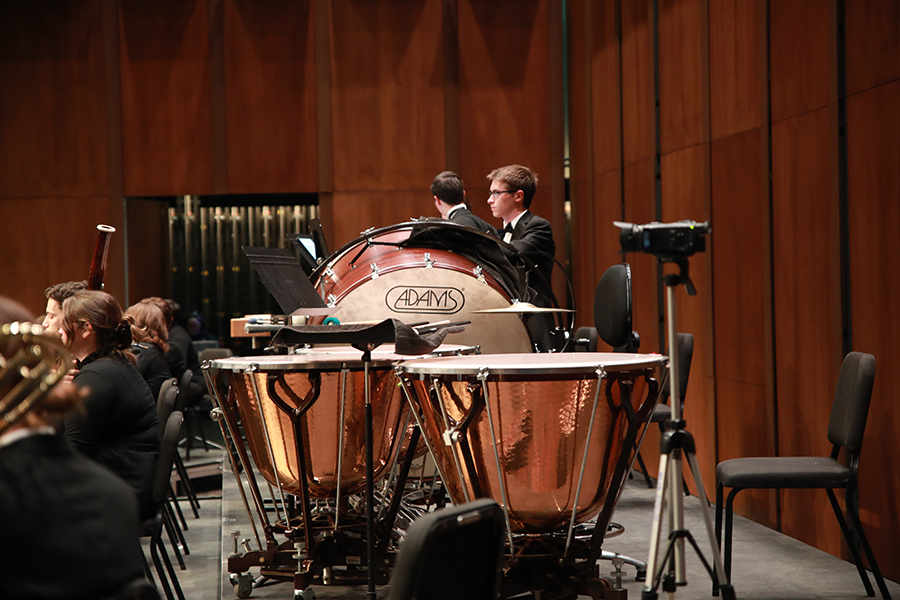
[[118, 426], [450, 199], [56, 295], [181, 355], [60, 508], [512, 190], [149, 335]]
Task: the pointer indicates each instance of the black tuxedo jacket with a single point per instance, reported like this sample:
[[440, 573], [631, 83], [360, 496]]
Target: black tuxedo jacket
[[464, 216], [533, 237]]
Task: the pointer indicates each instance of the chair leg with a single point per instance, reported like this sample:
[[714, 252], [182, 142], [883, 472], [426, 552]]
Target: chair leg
[[852, 501], [155, 542], [852, 542], [170, 517], [729, 530], [172, 575], [174, 498], [173, 539], [720, 491], [188, 487]]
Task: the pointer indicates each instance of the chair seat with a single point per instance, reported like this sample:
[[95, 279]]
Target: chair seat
[[783, 472]]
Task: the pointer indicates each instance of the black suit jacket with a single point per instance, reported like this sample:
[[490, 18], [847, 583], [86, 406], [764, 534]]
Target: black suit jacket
[[464, 216], [533, 237], [70, 527]]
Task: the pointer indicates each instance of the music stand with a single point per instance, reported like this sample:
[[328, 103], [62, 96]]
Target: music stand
[[364, 338]]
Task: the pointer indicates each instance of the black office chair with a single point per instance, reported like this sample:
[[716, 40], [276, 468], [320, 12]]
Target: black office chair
[[846, 427], [452, 553], [612, 314], [662, 412], [612, 309], [152, 528]]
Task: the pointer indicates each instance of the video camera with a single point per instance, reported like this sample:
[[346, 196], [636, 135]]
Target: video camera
[[666, 240]]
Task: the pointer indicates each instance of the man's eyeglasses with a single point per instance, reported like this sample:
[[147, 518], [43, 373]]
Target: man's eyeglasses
[[494, 194]]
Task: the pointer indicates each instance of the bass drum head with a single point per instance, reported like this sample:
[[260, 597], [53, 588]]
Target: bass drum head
[[413, 293]]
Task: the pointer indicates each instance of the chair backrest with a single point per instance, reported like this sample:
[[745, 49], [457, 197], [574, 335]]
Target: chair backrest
[[184, 388], [165, 406], [612, 308], [452, 553], [685, 344], [167, 449], [168, 383], [214, 354], [850, 408]]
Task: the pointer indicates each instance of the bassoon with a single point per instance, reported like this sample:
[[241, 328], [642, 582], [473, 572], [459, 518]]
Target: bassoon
[[98, 263]]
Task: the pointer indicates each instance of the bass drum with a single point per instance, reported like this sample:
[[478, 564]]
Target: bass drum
[[376, 278]]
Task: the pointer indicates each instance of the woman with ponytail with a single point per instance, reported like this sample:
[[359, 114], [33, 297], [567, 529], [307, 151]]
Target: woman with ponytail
[[118, 426]]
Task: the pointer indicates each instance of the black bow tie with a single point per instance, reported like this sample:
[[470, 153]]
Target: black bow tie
[[507, 229]]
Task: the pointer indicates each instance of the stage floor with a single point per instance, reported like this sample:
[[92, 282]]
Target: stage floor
[[767, 564]]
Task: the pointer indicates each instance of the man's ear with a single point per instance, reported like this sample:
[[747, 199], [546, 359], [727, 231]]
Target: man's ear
[[519, 197]]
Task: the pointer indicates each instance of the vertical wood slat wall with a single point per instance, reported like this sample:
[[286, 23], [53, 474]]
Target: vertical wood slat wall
[[749, 129], [365, 101], [352, 100]]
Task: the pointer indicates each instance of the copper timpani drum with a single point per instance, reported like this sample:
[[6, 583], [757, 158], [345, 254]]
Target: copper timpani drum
[[376, 278], [322, 391], [546, 435]]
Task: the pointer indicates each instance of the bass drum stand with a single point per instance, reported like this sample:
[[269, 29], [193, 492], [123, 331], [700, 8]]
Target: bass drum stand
[[675, 442]]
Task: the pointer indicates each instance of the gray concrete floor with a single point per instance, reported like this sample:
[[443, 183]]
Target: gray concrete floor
[[767, 564]]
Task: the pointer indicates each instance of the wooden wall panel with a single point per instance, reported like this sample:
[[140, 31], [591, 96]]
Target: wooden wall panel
[[149, 272], [505, 112], [605, 89], [685, 195], [807, 306], [683, 94], [873, 43], [802, 48], [359, 211], [387, 97], [638, 121], [270, 90], [873, 125], [166, 98], [736, 65], [55, 239], [581, 151], [53, 103], [742, 308], [640, 208]]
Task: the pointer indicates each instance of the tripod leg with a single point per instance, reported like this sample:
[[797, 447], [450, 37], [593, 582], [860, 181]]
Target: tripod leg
[[725, 587], [652, 580]]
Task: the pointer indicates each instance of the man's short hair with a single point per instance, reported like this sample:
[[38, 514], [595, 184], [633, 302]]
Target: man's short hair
[[449, 188], [61, 291], [517, 177]]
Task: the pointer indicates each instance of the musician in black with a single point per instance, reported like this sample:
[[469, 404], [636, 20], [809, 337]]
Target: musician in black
[[70, 526], [512, 190], [56, 295], [150, 344], [450, 199], [118, 426]]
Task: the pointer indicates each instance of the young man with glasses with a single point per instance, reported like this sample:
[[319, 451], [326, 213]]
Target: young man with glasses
[[512, 189]]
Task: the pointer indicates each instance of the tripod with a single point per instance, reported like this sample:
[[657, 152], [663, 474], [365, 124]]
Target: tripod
[[675, 442]]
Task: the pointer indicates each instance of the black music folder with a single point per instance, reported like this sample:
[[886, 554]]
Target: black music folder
[[285, 279]]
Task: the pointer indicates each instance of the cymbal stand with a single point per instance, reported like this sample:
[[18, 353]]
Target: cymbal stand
[[675, 442]]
